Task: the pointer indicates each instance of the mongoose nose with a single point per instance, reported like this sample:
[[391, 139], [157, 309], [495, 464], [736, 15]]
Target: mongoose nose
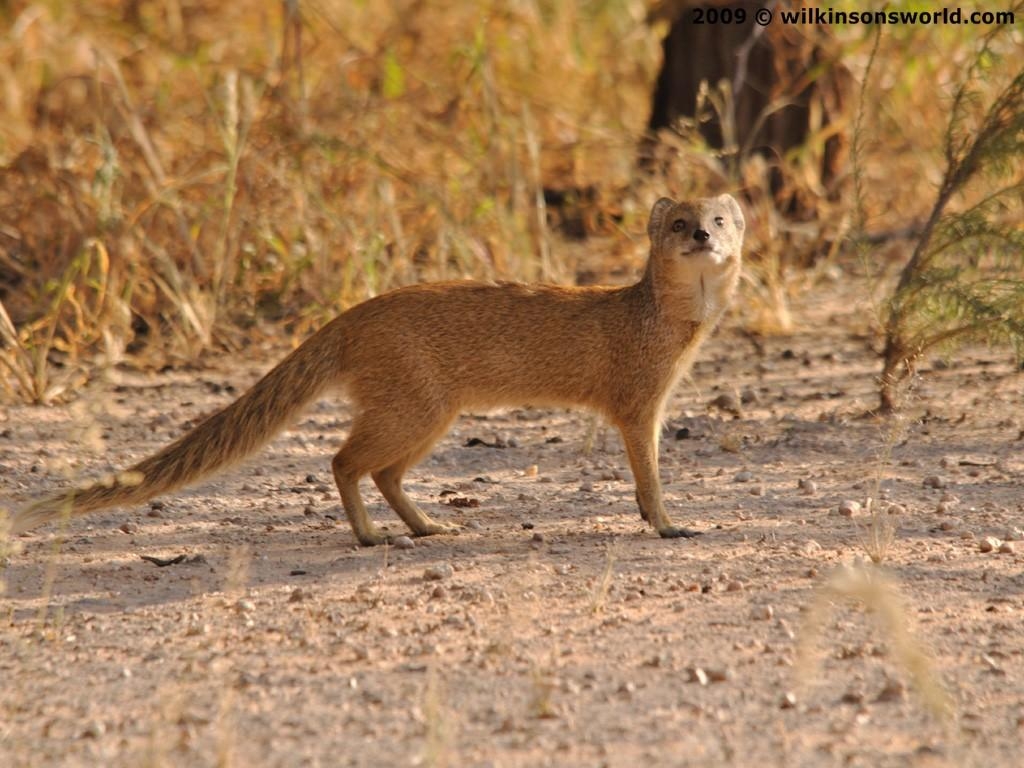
[[701, 236]]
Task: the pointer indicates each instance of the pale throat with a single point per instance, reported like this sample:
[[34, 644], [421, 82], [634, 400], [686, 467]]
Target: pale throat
[[702, 296]]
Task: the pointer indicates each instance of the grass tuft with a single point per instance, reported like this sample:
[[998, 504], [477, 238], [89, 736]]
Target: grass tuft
[[870, 587]]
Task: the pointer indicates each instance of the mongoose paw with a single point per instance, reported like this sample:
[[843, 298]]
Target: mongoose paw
[[436, 528], [373, 539], [672, 532]]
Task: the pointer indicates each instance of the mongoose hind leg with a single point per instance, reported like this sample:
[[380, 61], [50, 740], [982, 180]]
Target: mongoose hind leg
[[384, 442], [367, 449], [346, 475], [389, 479], [389, 482]]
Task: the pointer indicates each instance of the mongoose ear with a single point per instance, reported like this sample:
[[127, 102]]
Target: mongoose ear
[[658, 214], [733, 207]]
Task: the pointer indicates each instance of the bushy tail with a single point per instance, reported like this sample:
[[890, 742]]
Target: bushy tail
[[223, 439]]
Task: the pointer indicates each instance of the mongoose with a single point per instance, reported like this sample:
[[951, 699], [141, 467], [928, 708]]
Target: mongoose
[[413, 359]]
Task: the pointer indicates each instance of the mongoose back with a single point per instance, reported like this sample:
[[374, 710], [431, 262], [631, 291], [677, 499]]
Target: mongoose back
[[411, 360]]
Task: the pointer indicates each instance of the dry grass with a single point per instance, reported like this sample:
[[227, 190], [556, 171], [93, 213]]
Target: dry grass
[[878, 534], [603, 583], [542, 691], [438, 749], [870, 587], [295, 167], [8, 548]]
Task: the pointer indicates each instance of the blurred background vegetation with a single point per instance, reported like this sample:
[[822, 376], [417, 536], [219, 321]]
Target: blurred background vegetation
[[179, 177]]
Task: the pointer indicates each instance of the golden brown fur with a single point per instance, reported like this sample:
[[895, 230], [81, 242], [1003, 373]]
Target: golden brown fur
[[411, 360]]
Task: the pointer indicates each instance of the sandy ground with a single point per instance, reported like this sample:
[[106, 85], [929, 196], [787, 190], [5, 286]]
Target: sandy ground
[[555, 629]]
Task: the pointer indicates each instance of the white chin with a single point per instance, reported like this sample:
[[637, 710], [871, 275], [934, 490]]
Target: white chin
[[710, 256]]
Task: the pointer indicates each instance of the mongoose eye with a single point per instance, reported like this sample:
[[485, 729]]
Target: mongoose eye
[[678, 225], [719, 221]]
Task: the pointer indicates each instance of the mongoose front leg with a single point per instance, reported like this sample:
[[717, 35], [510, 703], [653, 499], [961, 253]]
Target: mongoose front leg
[[642, 449]]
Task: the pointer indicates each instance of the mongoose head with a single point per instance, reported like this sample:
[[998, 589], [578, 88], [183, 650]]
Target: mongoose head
[[708, 230], [695, 253]]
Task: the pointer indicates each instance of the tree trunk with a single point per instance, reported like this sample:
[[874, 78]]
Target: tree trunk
[[786, 83]]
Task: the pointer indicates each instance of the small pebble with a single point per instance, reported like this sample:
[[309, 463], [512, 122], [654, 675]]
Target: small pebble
[[1006, 548], [808, 486], [762, 613], [439, 592], [722, 675], [788, 701], [894, 690], [438, 572], [94, 730], [128, 528], [989, 544], [783, 626], [727, 402], [297, 595], [849, 508], [734, 586], [403, 542], [992, 665], [743, 477], [245, 606], [935, 481], [697, 675]]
